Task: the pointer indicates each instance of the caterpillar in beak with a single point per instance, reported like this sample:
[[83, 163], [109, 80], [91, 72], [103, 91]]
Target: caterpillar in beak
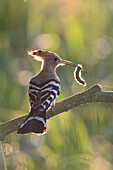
[[77, 75]]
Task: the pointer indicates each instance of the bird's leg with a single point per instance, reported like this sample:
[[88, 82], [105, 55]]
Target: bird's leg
[[52, 106]]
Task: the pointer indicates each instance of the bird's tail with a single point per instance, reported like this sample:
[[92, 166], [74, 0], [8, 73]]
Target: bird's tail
[[33, 123]]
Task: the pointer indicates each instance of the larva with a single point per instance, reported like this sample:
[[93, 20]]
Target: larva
[[77, 75]]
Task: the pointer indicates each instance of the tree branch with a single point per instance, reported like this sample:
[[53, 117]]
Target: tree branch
[[94, 94]]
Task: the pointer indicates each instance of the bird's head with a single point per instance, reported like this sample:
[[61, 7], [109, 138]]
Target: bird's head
[[49, 59]]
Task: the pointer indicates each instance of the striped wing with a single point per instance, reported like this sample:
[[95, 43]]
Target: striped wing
[[41, 99], [43, 96], [34, 95]]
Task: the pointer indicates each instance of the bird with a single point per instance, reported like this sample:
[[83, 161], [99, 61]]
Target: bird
[[43, 89]]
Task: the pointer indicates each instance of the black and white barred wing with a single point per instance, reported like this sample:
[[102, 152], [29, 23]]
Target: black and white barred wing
[[34, 95], [49, 92], [41, 99], [43, 96]]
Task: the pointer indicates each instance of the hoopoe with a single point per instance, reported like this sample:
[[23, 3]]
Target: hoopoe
[[43, 89]]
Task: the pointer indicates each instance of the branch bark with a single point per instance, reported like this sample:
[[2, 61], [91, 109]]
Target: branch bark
[[93, 94]]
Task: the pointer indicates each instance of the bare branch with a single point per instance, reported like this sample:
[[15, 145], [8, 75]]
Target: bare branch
[[94, 94]]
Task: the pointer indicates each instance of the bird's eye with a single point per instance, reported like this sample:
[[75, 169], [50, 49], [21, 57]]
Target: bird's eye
[[55, 59]]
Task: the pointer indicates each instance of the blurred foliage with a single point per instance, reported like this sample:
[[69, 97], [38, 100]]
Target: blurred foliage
[[79, 31]]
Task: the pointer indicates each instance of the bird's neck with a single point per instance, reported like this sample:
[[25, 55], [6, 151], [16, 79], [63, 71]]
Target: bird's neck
[[48, 67]]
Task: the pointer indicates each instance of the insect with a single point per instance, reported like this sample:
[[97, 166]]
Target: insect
[[77, 75]]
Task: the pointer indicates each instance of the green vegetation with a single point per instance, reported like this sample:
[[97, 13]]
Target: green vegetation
[[79, 31]]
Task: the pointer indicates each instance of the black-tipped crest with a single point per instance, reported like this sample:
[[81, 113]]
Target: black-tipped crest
[[39, 51], [43, 55]]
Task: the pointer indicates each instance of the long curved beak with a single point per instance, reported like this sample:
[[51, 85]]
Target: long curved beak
[[63, 62]]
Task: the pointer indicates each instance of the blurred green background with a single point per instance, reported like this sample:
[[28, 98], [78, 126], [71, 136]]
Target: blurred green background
[[80, 31]]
